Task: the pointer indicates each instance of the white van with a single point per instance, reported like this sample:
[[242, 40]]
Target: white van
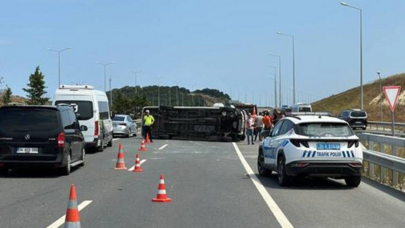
[[301, 107], [93, 111]]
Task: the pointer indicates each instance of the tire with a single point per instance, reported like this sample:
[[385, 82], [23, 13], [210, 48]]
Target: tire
[[66, 170], [110, 143], [353, 181], [83, 157], [283, 179], [260, 165]]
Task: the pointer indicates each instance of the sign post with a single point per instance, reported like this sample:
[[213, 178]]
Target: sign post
[[391, 94]]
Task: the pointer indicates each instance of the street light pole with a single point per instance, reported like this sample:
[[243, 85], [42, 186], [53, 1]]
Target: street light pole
[[361, 49], [136, 77], [293, 53], [275, 85], [111, 97], [59, 51], [381, 111], [105, 73], [279, 79]]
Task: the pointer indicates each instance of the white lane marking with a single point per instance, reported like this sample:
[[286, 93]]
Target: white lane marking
[[161, 148], [281, 218], [61, 220], [115, 139], [133, 167]]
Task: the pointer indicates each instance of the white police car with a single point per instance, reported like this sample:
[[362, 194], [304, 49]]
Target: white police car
[[314, 145]]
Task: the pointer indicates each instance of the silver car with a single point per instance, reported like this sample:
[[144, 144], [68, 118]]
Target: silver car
[[124, 125]]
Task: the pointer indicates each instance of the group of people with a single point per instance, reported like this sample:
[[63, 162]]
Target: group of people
[[262, 122]]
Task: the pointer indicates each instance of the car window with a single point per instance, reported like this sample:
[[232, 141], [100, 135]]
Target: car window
[[16, 119], [358, 114], [118, 118], [83, 108], [65, 119], [104, 113], [73, 120], [129, 119], [276, 129], [286, 127], [324, 129]]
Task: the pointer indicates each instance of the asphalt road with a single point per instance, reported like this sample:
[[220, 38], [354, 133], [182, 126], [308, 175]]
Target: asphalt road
[[209, 187]]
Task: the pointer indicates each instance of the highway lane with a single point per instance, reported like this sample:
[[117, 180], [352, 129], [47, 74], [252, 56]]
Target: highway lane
[[330, 203], [205, 180]]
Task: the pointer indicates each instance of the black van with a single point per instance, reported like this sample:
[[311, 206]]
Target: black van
[[46, 136], [355, 117]]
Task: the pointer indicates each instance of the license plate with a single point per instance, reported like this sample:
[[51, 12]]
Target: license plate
[[358, 122], [328, 146], [24, 150]]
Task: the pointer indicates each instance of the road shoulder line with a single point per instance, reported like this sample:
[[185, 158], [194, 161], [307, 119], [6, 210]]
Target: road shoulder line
[[274, 208]]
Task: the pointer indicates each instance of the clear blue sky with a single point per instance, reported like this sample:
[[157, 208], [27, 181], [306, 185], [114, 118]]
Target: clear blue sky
[[219, 44]]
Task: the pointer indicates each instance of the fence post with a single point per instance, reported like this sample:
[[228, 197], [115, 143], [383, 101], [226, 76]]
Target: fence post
[[394, 173], [382, 169], [371, 165]]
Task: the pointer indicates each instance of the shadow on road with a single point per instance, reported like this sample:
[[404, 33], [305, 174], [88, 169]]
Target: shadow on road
[[33, 173], [304, 183]]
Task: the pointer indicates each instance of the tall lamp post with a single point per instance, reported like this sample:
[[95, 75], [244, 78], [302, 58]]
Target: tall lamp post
[[59, 51], [293, 53], [136, 77], [111, 97], [158, 78], [275, 85], [279, 79], [105, 73], [381, 111], [361, 49]]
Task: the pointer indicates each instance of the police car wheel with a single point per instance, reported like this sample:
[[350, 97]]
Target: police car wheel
[[353, 181], [283, 179], [260, 165]]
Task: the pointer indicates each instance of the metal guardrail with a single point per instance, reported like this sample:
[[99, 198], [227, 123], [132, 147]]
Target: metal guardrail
[[392, 162]]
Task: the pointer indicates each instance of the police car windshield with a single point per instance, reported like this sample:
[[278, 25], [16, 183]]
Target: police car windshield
[[324, 129]]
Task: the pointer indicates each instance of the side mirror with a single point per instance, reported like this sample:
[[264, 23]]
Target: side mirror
[[83, 128]]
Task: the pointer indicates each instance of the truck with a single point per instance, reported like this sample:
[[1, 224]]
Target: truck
[[197, 123]]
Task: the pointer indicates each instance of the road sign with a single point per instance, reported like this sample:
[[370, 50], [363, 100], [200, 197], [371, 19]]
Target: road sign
[[392, 94]]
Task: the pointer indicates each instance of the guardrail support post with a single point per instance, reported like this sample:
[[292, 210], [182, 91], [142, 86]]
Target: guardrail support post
[[382, 170], [371, 165], [394, 173]]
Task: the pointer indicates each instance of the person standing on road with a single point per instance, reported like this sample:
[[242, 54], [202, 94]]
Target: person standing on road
[[259, 126], [267, 121], [148, 121], [249, 128]]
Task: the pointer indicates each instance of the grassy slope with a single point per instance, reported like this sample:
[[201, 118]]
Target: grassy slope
[[351, 99]]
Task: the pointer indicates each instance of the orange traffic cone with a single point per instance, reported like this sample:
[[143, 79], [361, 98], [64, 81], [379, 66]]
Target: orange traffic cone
[[147, 141], [143, 147], [138, 168], [161, 196], [72, 213], [120, 160]]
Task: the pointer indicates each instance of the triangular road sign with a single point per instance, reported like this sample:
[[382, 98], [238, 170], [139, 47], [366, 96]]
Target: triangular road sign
[[391, 94]]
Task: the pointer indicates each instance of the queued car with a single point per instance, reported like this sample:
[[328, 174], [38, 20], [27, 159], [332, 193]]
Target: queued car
[[41, 136], [355, 117], [311, 145], [124, 125]]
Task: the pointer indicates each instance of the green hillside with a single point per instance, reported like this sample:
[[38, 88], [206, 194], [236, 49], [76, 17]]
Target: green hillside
[[372, 100]]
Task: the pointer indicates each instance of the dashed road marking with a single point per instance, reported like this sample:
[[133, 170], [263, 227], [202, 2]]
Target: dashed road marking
[[133, 167], [115, 139], [61, 220], [161, 148], [274, 208]]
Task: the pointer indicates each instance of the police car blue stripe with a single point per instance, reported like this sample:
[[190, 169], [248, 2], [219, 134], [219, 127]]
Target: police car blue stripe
[[309, 154], [313, 155], [352, 153], [348, 155], [344, 154], [304, 153]]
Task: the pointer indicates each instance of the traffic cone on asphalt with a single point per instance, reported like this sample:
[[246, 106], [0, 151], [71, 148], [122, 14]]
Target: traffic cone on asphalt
[[72, 213], [138, 168], [147, 141], [143, 147], [120, 160], [161, 196]]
